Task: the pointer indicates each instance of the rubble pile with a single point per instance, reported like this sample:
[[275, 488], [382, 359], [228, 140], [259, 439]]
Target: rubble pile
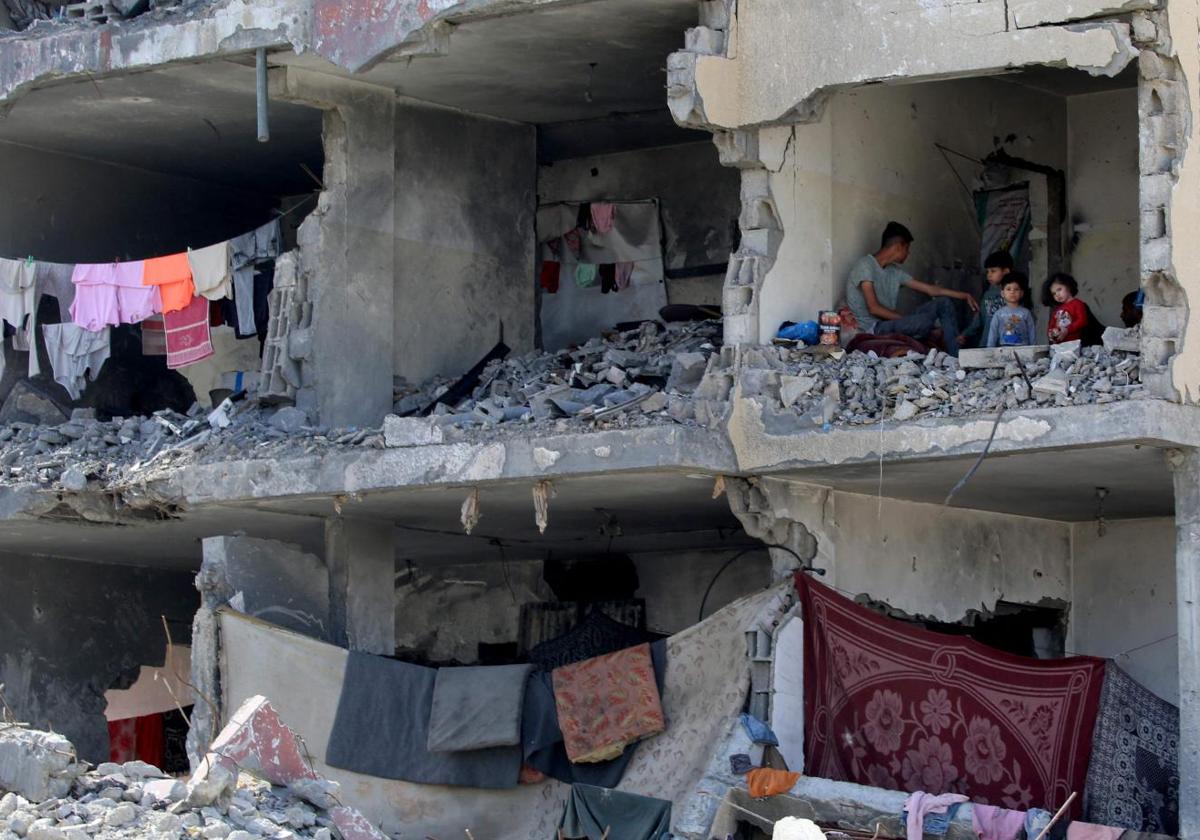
[[859, 389], [615, 382], [137, 800], [632, 371]]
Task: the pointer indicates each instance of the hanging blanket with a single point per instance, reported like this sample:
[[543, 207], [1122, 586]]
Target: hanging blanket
[[1133, 779], [898, 707], [605, 704], [188, 339], [477, 708]]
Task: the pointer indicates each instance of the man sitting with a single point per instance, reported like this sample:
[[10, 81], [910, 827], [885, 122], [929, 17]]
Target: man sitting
[[873, 288]]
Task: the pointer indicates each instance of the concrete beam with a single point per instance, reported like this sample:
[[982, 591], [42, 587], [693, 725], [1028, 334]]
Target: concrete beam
[[1186, 467], [208, 31], [361, 557]]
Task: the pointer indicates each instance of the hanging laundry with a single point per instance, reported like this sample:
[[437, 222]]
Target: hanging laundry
[[18, 304], [211, 272], [603, 214], [381, 728], [243, 302], [583, 216], [596, 635], [550, 274], [927, 813], [173, 276], [108, 294], [585, 274], [767, 781], [1133, 777], [187, 333], [624, 275], [596, 813], [574, 242], [476, 708], [608, 278], [992, 823], [607, 703], [542, 738], [75, 352], [54, 279], [154, 336], [122, 740], [859, 728]]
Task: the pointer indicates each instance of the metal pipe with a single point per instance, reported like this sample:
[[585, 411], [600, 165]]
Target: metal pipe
[[264, 127]]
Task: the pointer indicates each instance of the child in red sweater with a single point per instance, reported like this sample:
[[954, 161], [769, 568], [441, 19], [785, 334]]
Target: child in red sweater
[[1069, 317]]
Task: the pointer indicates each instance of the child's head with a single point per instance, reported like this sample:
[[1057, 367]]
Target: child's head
[[1013, 288], [997, 265], [1060, 288]]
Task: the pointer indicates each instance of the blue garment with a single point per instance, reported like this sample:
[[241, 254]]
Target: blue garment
[[758, 731], [808, 332], [935, 825]]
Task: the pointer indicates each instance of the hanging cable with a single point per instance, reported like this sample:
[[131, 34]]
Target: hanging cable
[[743, 553]]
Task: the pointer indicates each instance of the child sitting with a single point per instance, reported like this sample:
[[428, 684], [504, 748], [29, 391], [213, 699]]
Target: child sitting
[[1012, 325], [997, 266], [1069, 317]]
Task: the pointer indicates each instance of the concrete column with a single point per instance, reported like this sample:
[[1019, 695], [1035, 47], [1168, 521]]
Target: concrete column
[[1186, 467], [361, 557], [347, 252]]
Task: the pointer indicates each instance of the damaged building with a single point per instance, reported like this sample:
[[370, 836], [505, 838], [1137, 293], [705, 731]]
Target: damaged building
[[478, 362]]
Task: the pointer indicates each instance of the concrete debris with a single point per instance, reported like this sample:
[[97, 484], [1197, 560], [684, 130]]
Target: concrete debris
[[38, 13], [36, 765], [622, 371], [1121, 338], [860, 389]]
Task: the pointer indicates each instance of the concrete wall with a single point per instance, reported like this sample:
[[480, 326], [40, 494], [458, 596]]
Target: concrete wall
[[61, 208], [698, 198], [1124, 597], [1102, 195], [871, 159], [465, 206], [69, 631], [673, 584]]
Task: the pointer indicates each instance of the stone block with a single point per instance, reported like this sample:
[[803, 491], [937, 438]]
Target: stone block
[[1155, 191], [714, 14], [411, 431], [36, 765], [1119, 338], [999, 357], [795, 387], [30, 403], [1156, 254], [705, 41], [687, 369], [256, 739], [1054, 382], [1162, 321]]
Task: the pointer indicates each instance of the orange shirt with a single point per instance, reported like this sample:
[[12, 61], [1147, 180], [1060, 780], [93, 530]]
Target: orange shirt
[[173, 275]]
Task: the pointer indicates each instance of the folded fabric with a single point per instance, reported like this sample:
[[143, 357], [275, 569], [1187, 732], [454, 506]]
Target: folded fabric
[[551, 272], [476, 708], [606, 703], [767, 781], [76, 354], [382, 729], [1090, 831], [585, 274], [993, 823], [595, 813], [921, 805], [211, 273], [935, 823], [188, 337], [608, 278], [154, 336], [740, 764], [758, 731], [108, 294], [542, 739], [173, 276], [603, 214]]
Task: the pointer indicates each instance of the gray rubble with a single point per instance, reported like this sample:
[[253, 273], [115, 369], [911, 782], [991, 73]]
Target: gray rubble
[[136, 800], [860, 389]]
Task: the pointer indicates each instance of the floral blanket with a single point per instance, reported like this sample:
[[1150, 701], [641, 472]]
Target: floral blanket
[[899, 707]]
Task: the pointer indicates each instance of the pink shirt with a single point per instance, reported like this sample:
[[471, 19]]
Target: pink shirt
[[108, 294]]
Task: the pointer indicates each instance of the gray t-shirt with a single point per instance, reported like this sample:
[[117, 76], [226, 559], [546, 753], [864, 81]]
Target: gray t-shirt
[[887, 282]]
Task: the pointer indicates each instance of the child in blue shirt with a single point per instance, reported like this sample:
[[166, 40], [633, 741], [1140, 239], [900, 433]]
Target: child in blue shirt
[[1012, 325]]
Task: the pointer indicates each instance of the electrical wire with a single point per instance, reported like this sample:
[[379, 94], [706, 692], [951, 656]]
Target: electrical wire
[[743, 553]]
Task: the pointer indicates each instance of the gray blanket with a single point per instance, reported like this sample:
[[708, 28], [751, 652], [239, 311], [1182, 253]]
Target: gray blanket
[[382, 729], [477, 708]]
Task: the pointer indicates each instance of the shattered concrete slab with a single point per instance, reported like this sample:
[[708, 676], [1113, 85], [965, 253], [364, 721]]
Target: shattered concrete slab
[[36, 765]]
